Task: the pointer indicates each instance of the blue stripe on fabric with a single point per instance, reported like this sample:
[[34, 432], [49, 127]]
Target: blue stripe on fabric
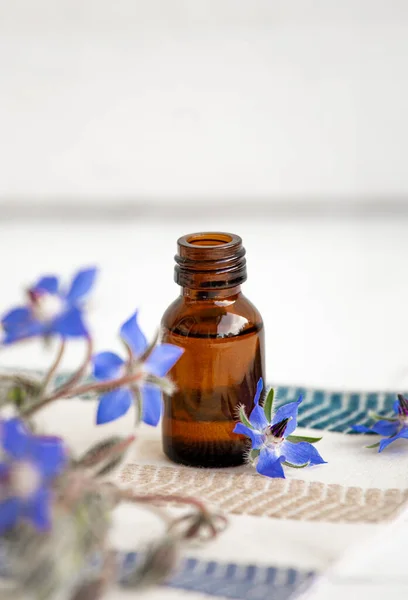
[[241, 582]]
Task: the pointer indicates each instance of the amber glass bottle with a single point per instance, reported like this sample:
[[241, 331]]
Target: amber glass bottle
[[222, 334]]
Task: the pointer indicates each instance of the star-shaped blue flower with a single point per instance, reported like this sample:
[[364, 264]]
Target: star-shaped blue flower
[[50, 309], [28, 466], [392, 428], [271, 440], [108, 365]]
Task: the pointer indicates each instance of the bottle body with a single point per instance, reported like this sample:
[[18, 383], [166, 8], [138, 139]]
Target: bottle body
[[223, 340]]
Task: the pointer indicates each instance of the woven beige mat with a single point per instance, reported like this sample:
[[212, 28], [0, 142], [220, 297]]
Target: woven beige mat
[[281, 498]]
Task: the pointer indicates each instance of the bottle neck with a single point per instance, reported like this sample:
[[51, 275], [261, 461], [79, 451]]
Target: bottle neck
[[210, 295], [212, 263]]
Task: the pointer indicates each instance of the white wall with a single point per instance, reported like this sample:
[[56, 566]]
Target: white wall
[[134, 99]]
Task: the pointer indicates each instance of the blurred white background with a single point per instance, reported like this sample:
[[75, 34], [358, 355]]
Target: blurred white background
[[172, 100], [126, 124]]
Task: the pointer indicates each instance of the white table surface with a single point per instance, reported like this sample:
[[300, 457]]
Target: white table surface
[[332, 294]]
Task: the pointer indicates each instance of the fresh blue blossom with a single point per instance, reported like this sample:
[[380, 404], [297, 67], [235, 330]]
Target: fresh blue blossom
[[392, 428], [50, 309], [150, 364], [28, 465], [272, 442]]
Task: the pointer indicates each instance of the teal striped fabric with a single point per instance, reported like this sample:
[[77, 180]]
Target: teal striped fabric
[[335, 411]]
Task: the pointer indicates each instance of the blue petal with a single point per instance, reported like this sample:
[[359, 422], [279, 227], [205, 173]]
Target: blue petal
[[113, 405], [9, 511], [259, 388], [385, 428], [131, 333], [152, 404], [16, 317], [47, 284], [395, 407], [81, 285], [15, 438], [288, 411], [256, 438], [70, 324], [162, 358], [107, 365], [257, 418], [384, 443], [49, 454], [362, 429], [301, 453], [19, 324], [269, 464], [38, 509]]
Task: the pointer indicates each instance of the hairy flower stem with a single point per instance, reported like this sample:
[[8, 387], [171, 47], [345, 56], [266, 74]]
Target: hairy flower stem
[[77, 376], [105, 453], [103, 386], [205, 518], [54, 367]]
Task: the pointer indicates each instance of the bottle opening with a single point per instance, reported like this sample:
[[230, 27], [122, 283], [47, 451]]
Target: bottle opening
[[209, 239], [210, 260]]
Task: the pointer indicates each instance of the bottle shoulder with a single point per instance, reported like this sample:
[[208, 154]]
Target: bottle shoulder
[[219, 318]]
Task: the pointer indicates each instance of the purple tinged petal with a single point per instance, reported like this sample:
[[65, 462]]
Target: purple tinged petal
[[113, 405], [257, 418], [387, 441], [259, 388], [131, 333], [15, 438], [152, 404], [81, 285], [70, 324], [46, 284], [49, 454], [301, 453], [4, 471], [269, 463], [38, 509], [256, 438], [107, 365], [162, 358], [288, 411], [9, 511]]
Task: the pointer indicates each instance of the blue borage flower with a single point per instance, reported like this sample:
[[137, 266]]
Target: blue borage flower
[[28, 465], [50, 309], [272, 442], [392, 428], [155, 362]]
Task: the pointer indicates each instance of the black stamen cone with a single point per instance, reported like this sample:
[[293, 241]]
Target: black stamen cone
[[278, 429], [403, 405]]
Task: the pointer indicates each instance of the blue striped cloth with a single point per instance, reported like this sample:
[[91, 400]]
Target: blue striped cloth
[[230, 580], [335, 411]]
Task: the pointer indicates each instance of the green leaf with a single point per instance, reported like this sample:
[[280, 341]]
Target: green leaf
[[296, 439], [268, 404], [374, 445], [243, 417], [288, 464], [377, 417]]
